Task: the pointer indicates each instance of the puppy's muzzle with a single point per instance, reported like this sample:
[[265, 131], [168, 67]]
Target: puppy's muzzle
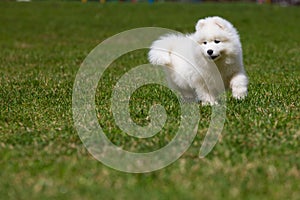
[[210, 53]]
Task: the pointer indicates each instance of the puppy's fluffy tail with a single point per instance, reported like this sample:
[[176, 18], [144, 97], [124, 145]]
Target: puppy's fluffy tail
[[161, 49]]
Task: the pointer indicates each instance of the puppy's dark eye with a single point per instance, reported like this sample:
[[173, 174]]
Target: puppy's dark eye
[[217, 41], [204, 42]]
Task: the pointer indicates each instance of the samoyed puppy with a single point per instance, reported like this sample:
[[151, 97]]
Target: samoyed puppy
[[195, 62]]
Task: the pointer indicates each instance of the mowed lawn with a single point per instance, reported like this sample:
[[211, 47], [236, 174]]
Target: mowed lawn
[[41, 156]]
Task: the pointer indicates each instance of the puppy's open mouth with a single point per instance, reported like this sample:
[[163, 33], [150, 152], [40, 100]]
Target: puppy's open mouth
[[214, 57]]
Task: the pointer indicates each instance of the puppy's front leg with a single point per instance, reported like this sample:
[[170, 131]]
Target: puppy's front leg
[[238, 85], [205, 96]]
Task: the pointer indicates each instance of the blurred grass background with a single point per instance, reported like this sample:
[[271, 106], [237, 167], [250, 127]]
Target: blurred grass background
[[41, 156]]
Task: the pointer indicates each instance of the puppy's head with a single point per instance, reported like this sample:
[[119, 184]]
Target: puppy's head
[[217, 38]]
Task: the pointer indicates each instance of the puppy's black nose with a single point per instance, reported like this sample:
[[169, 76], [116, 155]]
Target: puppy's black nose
[[210, 52]]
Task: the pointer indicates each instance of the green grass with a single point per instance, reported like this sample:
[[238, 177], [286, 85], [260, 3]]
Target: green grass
[[41, 155]]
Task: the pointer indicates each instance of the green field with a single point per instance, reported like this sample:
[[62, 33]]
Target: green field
[[41, 156]]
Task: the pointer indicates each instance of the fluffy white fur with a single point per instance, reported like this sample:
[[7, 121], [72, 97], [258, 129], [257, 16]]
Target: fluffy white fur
[[190, 61]]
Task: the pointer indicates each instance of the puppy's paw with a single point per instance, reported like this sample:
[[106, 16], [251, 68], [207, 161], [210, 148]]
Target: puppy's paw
[[207, 99], [239, 93], [209, 103], [239, 86], [185, 99]]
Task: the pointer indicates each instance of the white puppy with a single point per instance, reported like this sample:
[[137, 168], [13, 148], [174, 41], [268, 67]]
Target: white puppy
[[194, 62]]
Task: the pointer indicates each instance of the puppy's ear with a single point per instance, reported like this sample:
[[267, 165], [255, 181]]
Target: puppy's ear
[[219, 25], [219, 22], [200, 24]]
